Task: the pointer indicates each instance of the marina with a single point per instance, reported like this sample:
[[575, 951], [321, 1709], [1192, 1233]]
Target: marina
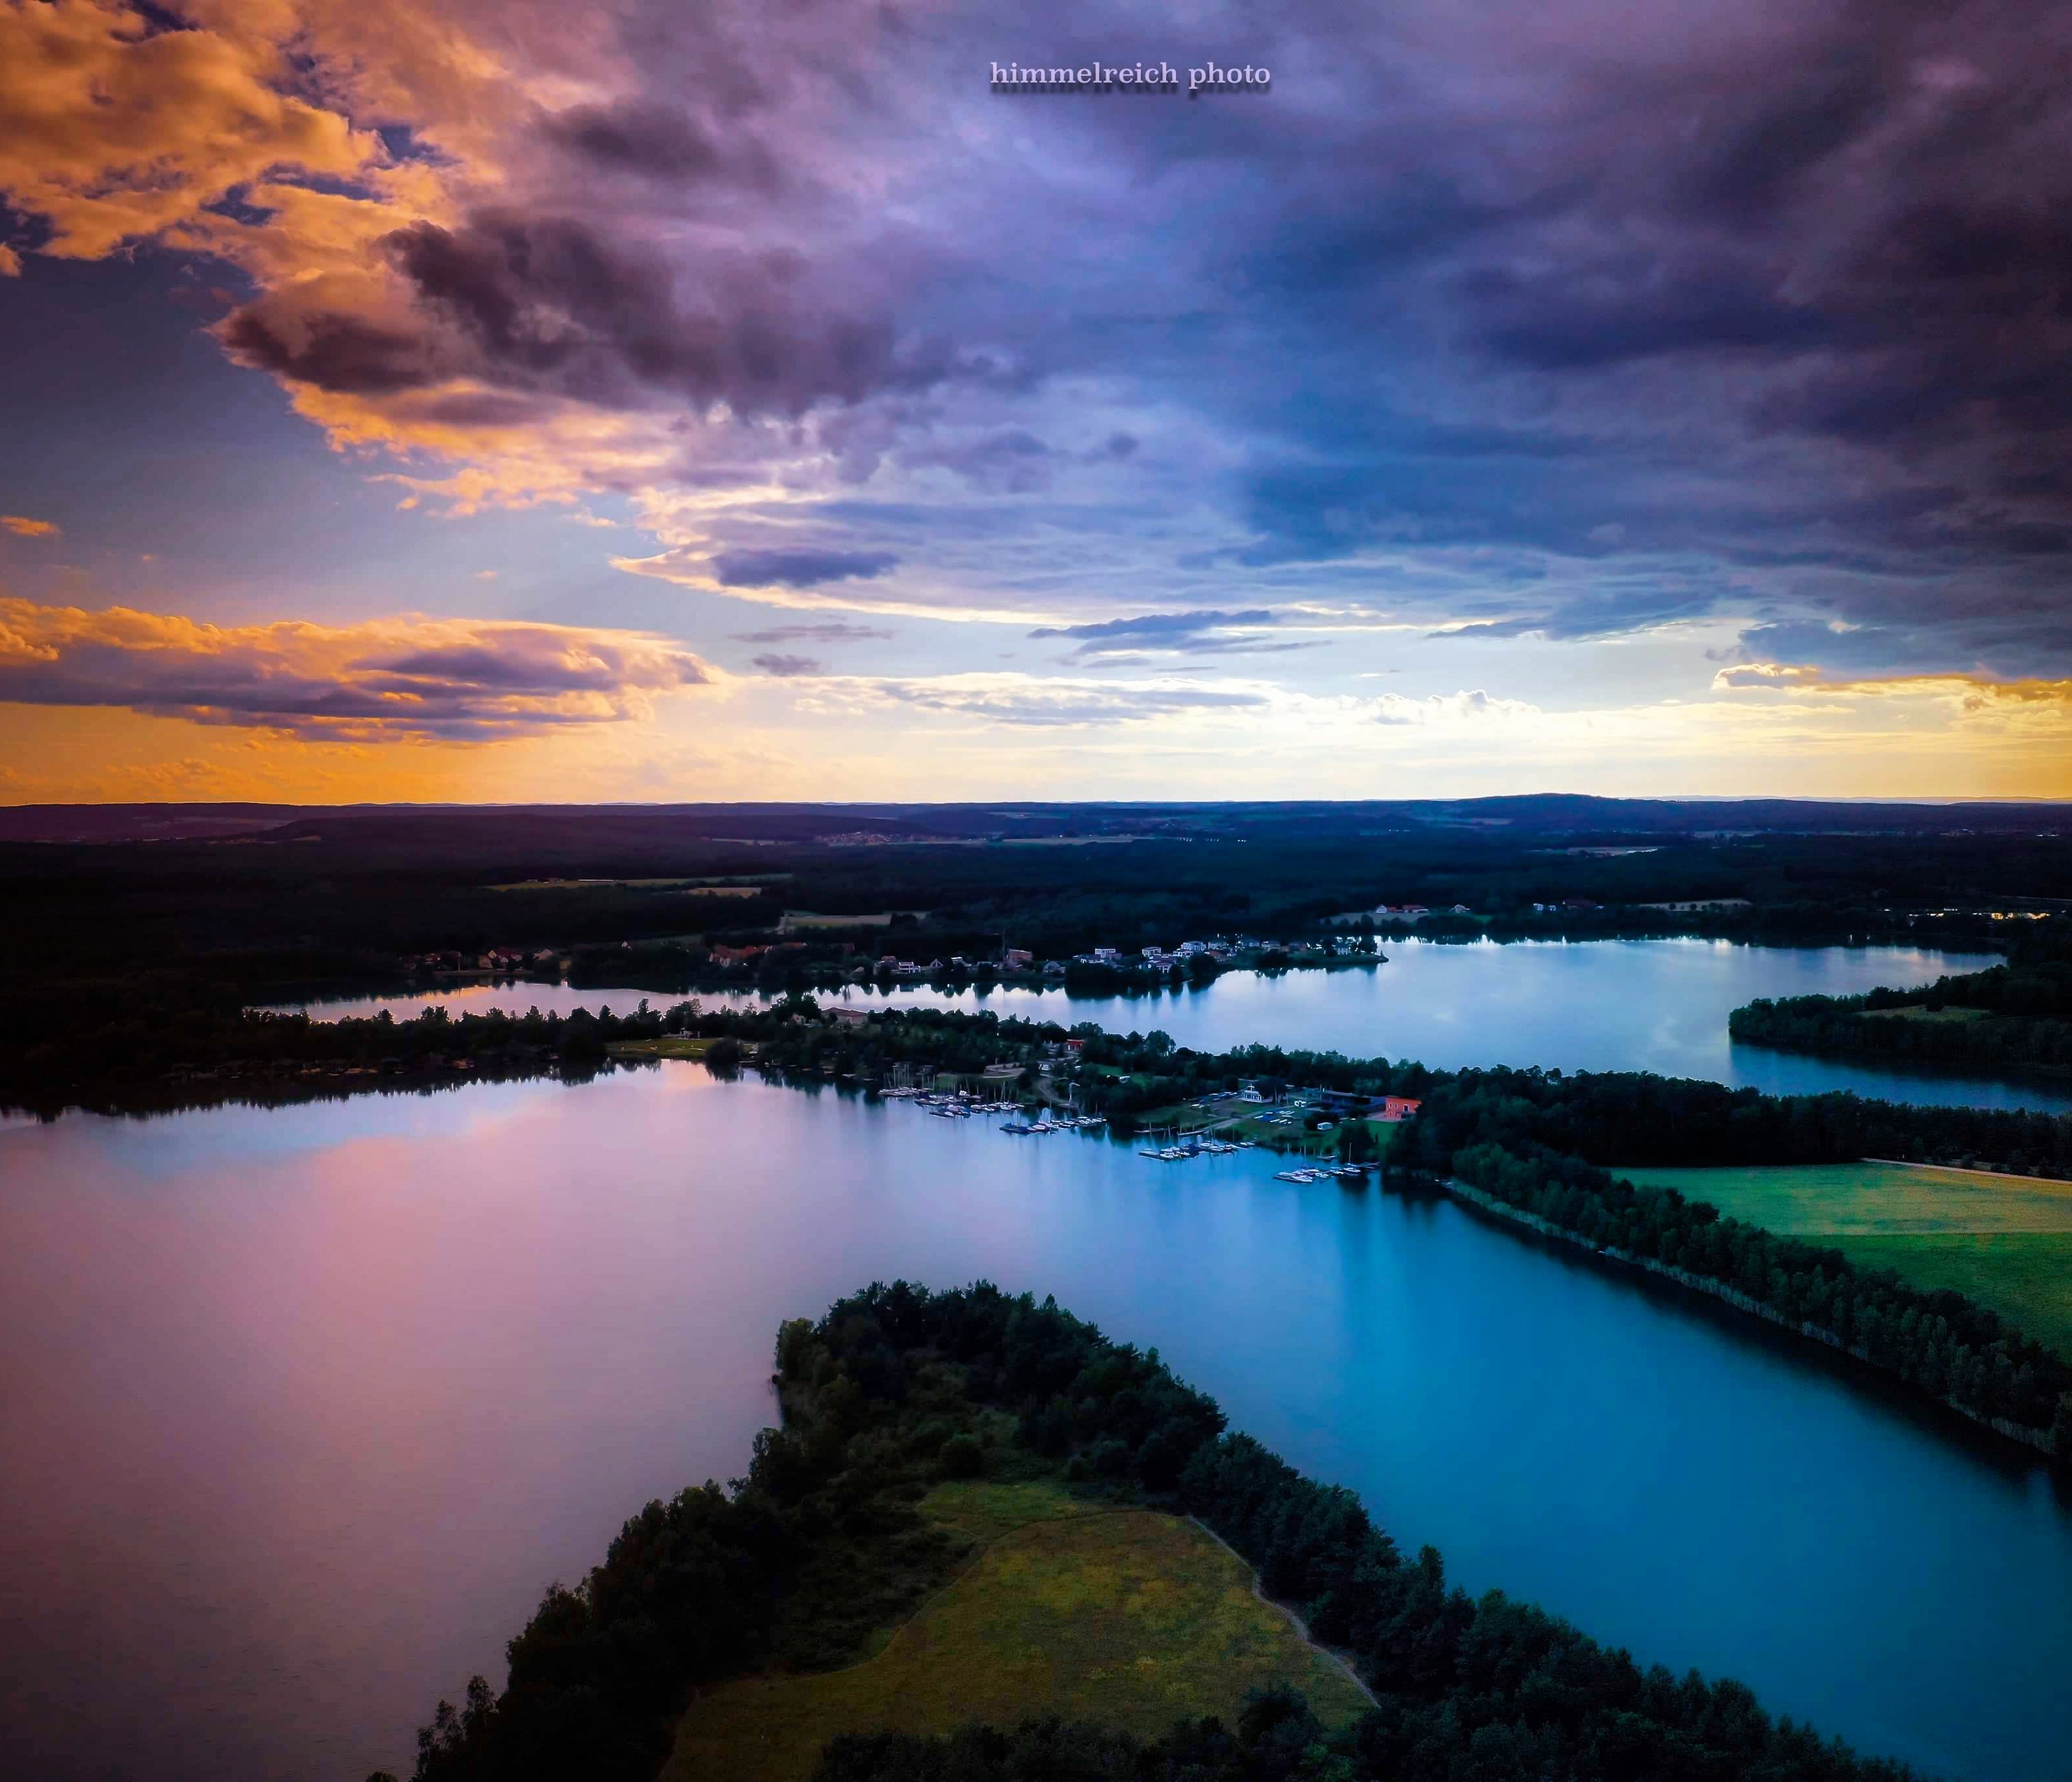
[[955, 1105]]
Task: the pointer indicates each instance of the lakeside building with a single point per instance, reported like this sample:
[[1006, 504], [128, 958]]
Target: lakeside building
[[1347, 1103]]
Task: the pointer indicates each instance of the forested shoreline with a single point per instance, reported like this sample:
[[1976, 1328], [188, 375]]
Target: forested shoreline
[[896, 1386], [1958, 1352], [2017, 1016]]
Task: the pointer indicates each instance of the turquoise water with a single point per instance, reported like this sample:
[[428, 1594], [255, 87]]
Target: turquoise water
[[304, 1406], [1608, 1005]]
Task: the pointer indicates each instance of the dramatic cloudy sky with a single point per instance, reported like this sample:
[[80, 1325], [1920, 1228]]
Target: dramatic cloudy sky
[[718, 398]]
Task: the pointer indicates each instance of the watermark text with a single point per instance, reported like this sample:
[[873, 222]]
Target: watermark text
[[1160, 76]]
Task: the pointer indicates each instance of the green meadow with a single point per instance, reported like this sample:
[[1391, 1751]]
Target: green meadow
[[2006, 1240], [1130, 1617]]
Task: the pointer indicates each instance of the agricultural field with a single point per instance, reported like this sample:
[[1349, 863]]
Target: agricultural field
[[1131, 1618], [2006, 1240]]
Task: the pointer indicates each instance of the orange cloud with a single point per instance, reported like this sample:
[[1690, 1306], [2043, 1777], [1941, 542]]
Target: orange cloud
[[113, 130], [24, 527], [407, 679], [1973, 692]]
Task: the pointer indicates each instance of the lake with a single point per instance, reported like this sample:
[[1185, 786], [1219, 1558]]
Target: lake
[[304, 1406], [1604, 1004]]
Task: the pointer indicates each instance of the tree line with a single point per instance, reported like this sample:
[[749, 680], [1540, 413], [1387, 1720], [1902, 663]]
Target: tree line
[[1948, 1346], [1635, 1118], [2015, 1016], [895, 1385]]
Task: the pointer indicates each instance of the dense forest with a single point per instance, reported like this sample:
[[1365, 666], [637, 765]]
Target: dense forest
[[2013, 1017], [897, 1386]]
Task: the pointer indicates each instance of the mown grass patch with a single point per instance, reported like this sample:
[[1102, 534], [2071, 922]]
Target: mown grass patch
[[1890, 1199], [1920, 1011], [1130, 1618]]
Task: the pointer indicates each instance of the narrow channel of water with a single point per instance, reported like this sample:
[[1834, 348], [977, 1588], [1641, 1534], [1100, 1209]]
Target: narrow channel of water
[[305, 1406]]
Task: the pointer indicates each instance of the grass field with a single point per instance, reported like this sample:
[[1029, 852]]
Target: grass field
[[1920, 1011], [2006, 1240], [1130, 1617], [674, 1045]]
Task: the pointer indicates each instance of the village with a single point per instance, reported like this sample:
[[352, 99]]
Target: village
[[839, 961]]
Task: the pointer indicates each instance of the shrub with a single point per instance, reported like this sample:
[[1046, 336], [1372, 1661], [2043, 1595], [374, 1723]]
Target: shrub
[[961, 1458]]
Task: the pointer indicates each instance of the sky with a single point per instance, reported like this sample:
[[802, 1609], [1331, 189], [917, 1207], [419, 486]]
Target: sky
[[686, 399]]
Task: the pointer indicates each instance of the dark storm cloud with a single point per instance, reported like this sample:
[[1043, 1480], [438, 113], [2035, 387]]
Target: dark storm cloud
[[335, 350], [574, 308], [650, 139], [1588, 321], [787, 666], [1643, 314], [798, 569], [1818, 319]]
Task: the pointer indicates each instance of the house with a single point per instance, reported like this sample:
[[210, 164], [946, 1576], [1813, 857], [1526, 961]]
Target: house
[[1107, 956], [843, 1015], [1016, 958], [1397, 1107]]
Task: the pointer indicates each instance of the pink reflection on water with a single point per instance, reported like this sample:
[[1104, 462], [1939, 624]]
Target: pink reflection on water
[[318, 1408]]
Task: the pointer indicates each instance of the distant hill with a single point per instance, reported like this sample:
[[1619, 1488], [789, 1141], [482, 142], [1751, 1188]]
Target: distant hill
[[1570, 816]]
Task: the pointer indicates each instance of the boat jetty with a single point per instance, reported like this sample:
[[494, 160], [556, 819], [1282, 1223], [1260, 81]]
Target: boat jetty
[[1196, 1147], [1320, 1172], [955, 1105]]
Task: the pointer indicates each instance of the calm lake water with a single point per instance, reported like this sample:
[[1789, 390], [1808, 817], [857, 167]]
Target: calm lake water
[[304, 1406], [1608, 1005]]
